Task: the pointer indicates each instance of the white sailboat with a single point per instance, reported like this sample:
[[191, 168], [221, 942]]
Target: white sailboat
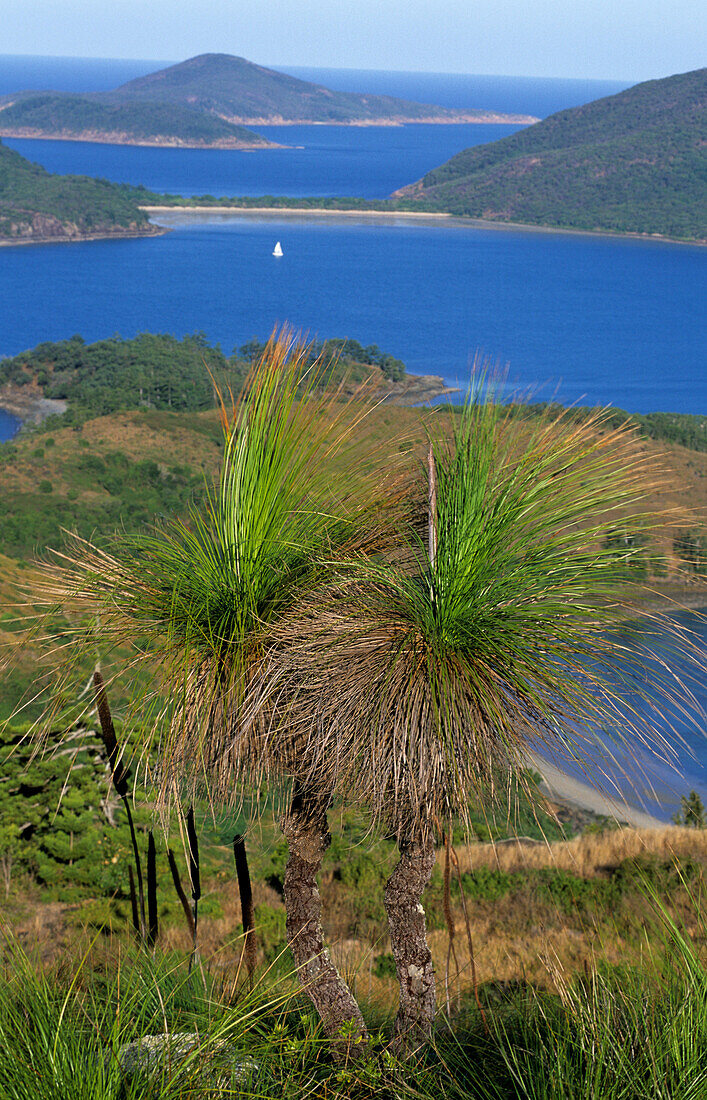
[[277, 250]]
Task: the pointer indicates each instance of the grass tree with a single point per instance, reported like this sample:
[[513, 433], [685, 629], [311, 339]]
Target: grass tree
[[429, 675], [200, 598]]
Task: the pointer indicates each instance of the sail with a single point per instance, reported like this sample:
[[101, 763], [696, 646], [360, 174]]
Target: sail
[[277, 250]]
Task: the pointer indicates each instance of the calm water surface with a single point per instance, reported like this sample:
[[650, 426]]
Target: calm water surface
[[9, 425], [368, 161], [590, 319], [654, 777]]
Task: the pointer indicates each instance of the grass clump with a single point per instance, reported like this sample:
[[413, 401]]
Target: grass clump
[[622, 1032]]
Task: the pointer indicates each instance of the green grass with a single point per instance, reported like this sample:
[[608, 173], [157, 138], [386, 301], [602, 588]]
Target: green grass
[[621, 1033], [616, 1033]]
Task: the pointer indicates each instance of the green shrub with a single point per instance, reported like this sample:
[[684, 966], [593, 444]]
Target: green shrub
[[384, 966]]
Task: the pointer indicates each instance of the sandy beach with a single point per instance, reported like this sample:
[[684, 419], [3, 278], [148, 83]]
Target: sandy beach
[[183, 214], [560, 787]]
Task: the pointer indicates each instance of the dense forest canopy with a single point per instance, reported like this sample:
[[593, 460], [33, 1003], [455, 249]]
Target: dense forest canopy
[[36, 204], [158, 371]]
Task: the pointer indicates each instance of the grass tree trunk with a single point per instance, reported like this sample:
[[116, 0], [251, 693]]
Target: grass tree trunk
[[307, 833], [413, 959]]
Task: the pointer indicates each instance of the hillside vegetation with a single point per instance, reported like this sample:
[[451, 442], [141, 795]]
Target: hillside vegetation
[[93, 471], [90, 118], [634, 162], [38, 205], [150, 371], [241, 91], [201, 103], [563, 963], [55, 478], [157, 371]]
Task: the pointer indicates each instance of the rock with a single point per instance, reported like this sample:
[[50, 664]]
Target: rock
[[220, 1062]]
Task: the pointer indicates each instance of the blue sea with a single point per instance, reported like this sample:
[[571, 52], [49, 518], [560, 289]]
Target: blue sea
[[581, 318]]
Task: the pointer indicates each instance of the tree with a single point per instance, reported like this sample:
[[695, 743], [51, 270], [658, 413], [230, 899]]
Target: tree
[[492, 631], [400, 650], [692, 812], [206, 593]]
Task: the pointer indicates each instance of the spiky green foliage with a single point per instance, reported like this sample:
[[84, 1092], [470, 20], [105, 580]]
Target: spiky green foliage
[[205, 592], [493, 631]]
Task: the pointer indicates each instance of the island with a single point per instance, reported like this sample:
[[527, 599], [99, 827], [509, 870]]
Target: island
[[37, 206], [61, 117], [206, 102], [628, 163]]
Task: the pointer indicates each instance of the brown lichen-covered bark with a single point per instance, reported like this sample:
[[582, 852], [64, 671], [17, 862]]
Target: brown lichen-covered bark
[[307, 833], [413, 960]]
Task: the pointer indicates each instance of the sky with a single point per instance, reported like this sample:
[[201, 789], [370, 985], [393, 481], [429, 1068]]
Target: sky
[[602, 39]]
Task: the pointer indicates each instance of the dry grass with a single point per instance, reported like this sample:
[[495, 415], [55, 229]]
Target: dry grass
[[589, 855], [517, 937]]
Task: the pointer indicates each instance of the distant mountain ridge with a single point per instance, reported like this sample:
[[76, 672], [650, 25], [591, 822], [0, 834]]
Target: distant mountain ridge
[[634, 162], [243, 92], [205, 102]]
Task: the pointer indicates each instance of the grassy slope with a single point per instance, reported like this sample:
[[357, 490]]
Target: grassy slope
[[537, 913], [130, 465], [633, 162], [61, 115], [37, 204]]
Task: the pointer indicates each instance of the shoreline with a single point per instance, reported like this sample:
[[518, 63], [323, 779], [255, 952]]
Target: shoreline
[[31, 408], [153, 230], [298, 211], [108, 137], [560, 787], [114, 139], [454, 220], [482, 118]]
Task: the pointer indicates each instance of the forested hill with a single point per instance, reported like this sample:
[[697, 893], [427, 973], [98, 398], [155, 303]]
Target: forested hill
[[36, 205], [157, 371], [633, 162], [91, 118], [240, 91]]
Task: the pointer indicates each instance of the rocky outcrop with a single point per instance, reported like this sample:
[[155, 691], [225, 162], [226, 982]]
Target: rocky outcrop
[[25, 227], [217, 1064], [28, 403], [417, 389]]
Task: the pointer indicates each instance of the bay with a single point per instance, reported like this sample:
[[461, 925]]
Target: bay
[[602, 320], [365, 161], [9, 425], [653, 773], [586, 319]]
